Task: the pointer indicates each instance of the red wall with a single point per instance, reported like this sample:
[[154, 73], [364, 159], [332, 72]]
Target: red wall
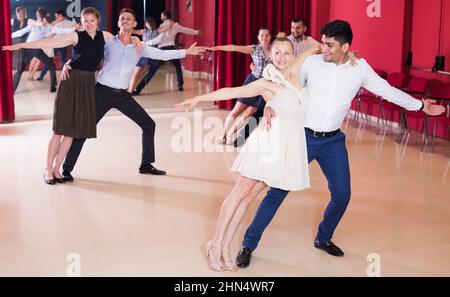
[[426, 39], [425, 28], [320, 16], [378, 40]]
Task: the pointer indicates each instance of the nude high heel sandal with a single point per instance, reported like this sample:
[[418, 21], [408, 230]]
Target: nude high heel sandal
[[213, 256], [228, 262]]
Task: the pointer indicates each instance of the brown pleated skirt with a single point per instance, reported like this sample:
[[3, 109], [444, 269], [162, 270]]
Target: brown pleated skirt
[[17, 55], [74, 113]]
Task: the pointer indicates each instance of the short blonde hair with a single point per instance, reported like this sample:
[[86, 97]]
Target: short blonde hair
[[283, 39]]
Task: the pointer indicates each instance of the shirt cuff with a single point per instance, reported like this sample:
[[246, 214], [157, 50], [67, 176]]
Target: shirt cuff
[[419, 104]]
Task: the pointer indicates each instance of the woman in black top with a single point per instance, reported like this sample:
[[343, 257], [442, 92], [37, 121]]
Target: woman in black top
[[20, 22], [74, 112]]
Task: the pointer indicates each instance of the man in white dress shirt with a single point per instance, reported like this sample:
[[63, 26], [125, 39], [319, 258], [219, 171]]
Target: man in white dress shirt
[[298, 36], [332, 82]]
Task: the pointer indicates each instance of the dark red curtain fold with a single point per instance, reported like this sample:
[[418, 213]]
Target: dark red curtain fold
[[6, 85], [238, 22]]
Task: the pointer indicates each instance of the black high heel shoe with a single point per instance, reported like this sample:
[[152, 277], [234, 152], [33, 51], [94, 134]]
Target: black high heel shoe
[[49, 181]]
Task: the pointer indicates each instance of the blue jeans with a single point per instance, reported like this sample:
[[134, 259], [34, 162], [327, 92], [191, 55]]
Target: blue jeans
[[331, 154]]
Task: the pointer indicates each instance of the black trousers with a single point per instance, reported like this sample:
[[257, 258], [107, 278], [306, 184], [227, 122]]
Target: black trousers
[[105, 99], [29, 54], [63, 53], [153, 68]]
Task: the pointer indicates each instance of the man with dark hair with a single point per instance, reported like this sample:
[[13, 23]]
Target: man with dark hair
[[332, 82], [338, 30], [167, 14], [60, 13], [298, 36], [128, 10]]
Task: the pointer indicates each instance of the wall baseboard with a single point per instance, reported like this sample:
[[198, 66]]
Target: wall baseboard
[[197, 74]]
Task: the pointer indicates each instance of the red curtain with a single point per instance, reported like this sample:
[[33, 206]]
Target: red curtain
[[238, 22], [6, 85]]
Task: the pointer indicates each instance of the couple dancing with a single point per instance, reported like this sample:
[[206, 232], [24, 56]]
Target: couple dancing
[[82, 100], [307, 99]]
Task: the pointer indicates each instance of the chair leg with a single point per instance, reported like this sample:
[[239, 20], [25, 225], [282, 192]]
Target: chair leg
[[357, 110], [369, 111], [424, 140], [433, 135], [379, 115]]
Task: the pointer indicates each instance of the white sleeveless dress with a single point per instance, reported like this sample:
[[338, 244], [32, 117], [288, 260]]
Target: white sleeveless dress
[[278, 157]]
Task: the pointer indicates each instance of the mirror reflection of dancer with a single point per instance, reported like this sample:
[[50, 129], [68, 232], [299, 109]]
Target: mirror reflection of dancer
[[284, 164], [148, 33], [20, 22], [166, 41], [36, 33], [61, 22], [332, 84]]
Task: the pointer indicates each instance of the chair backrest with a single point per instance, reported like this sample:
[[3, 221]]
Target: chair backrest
[[396, 79], [440, 90], [446, 90], [418, 84], [381, 73]]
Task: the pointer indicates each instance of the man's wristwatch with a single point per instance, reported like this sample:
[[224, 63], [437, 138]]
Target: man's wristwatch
[[423, 105]]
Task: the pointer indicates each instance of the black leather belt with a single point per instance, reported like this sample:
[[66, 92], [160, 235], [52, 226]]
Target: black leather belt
[[113, 89], [322, 134]]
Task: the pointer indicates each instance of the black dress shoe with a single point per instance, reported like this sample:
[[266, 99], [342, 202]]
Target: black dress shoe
[[38, 78], [49, 181], [330, 248], [180, 88], [243, 258], [52, 90], [135, 93], [150, 169], [67, 176]]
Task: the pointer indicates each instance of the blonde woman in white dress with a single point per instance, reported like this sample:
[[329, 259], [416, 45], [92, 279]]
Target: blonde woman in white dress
[[276, 157]]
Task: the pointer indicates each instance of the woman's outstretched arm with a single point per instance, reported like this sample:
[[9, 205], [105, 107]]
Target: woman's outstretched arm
[[51, 42], [245, 49], [258, 87]]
